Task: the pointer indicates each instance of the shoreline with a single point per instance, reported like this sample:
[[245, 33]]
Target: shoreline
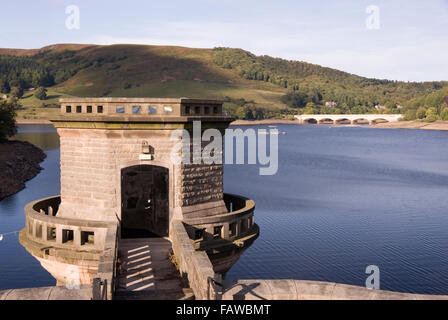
[[33, 121], [415, 125], [19, 163]]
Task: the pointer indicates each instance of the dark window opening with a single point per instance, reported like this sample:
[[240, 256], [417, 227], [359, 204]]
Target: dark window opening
[[68, 109], [78, 109], [243, 226], [89, 109], [100, 109], [217, 232], [87, 237], [67, 236]]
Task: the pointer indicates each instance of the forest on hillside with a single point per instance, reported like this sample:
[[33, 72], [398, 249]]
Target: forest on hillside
[[316, 89]]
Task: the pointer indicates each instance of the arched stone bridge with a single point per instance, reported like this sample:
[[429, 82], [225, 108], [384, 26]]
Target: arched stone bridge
[[347, 118]]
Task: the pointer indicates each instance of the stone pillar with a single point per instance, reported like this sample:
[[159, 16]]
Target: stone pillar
[[59, 235], [77, 237], [209, 233], [225, 231], [44, 232]]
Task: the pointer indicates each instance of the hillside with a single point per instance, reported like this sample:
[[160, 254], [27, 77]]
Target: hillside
[[252, 86]]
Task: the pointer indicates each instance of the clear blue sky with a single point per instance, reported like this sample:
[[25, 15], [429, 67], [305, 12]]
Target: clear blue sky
[[411, 43]]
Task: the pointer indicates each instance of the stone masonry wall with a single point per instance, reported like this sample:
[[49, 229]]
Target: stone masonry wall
[[91, 163]]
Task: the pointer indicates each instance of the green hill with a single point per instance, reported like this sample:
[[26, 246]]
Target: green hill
[[252, 86]]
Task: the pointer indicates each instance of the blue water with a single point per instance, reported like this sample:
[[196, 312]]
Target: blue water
[[343, 198], [18, 269]]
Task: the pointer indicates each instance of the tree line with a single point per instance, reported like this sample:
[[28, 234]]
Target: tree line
[[310, 84]]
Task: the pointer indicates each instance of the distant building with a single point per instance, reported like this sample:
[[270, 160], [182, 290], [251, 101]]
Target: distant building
[[331, 104], [380, 107]]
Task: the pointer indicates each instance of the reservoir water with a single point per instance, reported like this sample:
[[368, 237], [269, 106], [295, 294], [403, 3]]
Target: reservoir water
[[344, 198]]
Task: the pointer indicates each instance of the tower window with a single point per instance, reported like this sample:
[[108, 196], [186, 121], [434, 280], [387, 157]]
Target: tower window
[[136, 109], [167, 109], [152, 110]]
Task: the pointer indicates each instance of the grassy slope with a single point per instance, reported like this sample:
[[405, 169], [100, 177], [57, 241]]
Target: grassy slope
[[33, 106], [155, 71], [152, 71]]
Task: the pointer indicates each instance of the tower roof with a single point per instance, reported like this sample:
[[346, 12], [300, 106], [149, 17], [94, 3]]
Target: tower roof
[[134, 113]]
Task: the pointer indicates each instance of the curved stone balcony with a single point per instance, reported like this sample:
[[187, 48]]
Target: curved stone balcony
[[236, 228], [66, 247], [43, 226]]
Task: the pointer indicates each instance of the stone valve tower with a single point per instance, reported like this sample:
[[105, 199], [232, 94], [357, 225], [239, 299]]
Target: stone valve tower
[[118, 181]]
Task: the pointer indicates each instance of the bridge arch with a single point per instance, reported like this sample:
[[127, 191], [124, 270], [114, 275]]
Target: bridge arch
[[361, 121], [326, 121], [342, 121], [310, 121]]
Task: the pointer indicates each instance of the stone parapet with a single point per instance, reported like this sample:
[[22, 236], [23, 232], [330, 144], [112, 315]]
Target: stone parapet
[[44, 227], [193, 265], [74, 251], [310, 290]]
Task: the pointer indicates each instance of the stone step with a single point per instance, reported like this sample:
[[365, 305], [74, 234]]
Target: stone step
[[146, 272]]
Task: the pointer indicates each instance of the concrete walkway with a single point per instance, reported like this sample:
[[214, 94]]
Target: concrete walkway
[[146, 272]]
